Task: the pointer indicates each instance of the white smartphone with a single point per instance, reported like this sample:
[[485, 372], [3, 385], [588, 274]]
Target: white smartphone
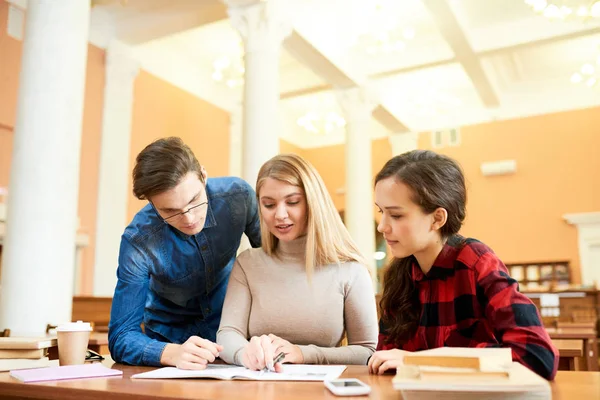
[[347, 387]]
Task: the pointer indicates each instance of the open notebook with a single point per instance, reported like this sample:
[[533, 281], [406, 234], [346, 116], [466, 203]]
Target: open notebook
[[296, 372]]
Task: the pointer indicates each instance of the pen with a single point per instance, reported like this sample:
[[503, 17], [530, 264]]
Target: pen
[[277, 359]]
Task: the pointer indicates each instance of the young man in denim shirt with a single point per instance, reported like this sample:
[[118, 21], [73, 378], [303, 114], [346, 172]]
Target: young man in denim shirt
[[175, 259]]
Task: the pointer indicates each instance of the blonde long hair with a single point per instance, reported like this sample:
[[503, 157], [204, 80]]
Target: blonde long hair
[[328, 240]]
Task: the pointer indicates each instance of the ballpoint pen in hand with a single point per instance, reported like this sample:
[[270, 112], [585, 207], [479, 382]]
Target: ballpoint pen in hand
[[277, 359]]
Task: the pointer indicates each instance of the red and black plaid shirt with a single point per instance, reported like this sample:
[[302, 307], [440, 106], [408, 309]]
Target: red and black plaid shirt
[[469, 300]]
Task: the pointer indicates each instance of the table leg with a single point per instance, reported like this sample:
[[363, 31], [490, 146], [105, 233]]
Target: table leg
[[590, 355]]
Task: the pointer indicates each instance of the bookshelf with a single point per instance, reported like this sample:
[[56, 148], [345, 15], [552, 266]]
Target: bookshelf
[[540, 275]]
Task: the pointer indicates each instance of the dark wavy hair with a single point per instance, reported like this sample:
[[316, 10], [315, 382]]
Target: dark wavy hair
[[435, 181]]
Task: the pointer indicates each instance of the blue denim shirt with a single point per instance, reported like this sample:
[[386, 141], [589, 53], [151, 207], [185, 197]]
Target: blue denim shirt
[[174, 283]]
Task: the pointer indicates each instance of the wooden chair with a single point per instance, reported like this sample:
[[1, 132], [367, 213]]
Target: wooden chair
[[585, 331], [570, 352], [95, 310]]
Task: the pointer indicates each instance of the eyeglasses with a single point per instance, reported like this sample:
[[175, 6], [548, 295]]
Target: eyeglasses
[[178, 216]]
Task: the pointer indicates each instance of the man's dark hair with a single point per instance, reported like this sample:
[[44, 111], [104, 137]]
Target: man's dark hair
[[161, 166]]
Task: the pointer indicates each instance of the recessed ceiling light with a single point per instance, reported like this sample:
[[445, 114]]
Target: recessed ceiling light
[[582, 11], [591, 82], [587, 69], [576, 77]]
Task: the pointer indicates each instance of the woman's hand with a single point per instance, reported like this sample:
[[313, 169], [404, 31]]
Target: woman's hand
[[293, 354], [259, 353], [384, 360]]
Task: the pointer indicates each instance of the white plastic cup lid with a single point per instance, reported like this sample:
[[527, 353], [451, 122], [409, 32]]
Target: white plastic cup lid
[[78, 326]]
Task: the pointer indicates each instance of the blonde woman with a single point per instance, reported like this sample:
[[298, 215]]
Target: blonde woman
[[306, 287]]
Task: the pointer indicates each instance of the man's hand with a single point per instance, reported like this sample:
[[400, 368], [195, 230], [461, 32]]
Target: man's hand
[[195, 353]]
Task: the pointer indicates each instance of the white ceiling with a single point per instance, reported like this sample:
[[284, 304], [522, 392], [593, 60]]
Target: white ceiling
[[469, 61]]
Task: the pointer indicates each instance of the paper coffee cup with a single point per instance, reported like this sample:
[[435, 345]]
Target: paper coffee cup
[[73, 339]]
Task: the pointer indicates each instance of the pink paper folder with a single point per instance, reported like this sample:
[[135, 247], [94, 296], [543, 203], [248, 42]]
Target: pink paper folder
[[66, 372]]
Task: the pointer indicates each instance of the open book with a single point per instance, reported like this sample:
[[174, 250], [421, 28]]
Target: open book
[[291, 372]]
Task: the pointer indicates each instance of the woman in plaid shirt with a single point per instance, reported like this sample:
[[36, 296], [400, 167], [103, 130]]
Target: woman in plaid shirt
[[443, 289]]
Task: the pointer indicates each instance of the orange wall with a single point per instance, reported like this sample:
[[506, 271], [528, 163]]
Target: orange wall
[[10, 64], [10, 56], [6, 139], [286, 147], [520, 215], [330, 162], [89, 161], [160, 109]]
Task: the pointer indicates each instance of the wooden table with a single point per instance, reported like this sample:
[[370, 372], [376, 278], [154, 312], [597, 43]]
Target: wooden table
[[568, 349], [567, 386], [589, 343]]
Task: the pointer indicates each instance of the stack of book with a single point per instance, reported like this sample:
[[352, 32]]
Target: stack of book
[[22, 353], [467, 373]]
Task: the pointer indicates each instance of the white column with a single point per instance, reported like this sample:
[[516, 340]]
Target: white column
[[588, 234], [403, 142], [39, 251], [359, 213], [263, 27], [114, 171], [235, 157], [235, 141]]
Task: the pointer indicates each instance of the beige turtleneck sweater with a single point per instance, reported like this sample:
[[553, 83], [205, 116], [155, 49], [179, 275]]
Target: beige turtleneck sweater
[[273, 295]]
